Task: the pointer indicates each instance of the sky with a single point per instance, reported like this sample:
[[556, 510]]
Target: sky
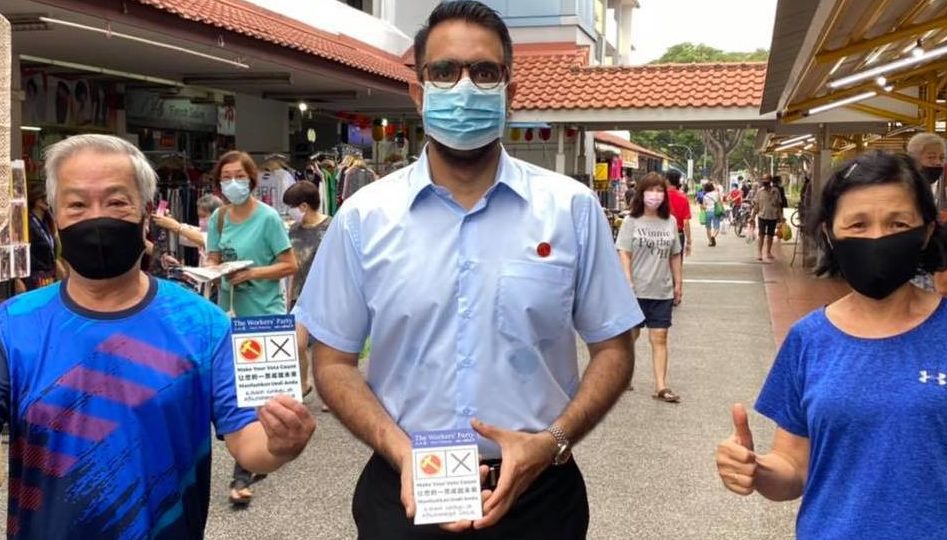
[[730, 25]]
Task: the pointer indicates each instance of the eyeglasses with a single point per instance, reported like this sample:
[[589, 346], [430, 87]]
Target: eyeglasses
[[445, 74]]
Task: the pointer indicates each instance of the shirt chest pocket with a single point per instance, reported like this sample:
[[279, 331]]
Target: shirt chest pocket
[[534, 301]]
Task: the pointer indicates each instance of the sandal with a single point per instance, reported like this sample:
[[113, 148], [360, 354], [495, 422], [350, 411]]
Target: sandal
[[240, 493], [666, 395]]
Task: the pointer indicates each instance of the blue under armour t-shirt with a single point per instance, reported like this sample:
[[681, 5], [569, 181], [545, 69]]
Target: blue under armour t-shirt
[[875, 414], [110, 413]]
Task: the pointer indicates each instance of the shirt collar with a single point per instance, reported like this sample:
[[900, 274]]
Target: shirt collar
[[508, 174]]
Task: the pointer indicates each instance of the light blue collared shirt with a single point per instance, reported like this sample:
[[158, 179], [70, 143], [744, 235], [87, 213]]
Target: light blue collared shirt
[[467, 318]]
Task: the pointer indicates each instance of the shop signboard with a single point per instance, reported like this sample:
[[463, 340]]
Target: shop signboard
[[69, 102], [149, 109]]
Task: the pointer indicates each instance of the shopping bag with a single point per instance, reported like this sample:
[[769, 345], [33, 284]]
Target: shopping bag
[[785, 232], [718, 209], [702, 217]]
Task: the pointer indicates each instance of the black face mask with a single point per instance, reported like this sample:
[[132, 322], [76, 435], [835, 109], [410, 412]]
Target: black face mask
[[876, 267], [932, 174], [102, 248]]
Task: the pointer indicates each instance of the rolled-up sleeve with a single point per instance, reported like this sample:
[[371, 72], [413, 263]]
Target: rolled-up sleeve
[[604, 303], [332, 303]]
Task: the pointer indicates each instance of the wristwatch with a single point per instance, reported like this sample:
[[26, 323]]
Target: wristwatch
[[564, 451]]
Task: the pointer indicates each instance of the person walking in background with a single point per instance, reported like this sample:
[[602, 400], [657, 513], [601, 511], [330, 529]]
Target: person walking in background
[[767, 210], [928, 150], [247, 230], [192, 236], [857, 390], [712, 204], [649, 248], [45, 267], [306, 235], [680, 209]]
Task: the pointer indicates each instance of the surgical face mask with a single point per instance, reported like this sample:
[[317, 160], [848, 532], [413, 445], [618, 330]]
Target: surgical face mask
[[102, 248], [876, 267], [653, 199], [296, 214], [464, 117], [932, 174], [236, 191]]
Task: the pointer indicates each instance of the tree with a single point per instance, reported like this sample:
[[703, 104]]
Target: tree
[[691, 53], [721, 143]]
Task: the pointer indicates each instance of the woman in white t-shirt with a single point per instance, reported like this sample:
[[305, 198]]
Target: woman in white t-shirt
[[648, 246], [711, 198]]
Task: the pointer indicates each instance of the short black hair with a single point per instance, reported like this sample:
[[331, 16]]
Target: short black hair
[[673, 177], [874, 169], [471, 11], [303, 191]]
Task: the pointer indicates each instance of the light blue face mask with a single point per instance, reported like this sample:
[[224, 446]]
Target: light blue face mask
[[464, 117], [236, 191]]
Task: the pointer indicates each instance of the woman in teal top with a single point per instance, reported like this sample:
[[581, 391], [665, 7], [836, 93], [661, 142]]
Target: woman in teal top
[[248, 230]]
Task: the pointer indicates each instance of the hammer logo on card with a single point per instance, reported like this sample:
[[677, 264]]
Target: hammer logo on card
[[431, 464], [251, 349]]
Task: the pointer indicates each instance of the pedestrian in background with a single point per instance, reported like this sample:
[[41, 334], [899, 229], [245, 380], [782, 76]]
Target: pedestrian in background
[[306, 235], [45, 267], [928, 150], [649, 248], [680, 209], [767, 210], [712, 205], [247, 230], [851, 454]]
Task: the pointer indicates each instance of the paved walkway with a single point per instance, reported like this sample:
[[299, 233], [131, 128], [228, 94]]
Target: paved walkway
[[649, 467]]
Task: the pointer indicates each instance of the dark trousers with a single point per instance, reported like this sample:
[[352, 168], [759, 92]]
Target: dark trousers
[[554, 506]]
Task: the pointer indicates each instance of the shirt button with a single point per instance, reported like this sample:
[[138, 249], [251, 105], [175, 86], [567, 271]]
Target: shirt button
[[467, 265], [466, 362], [467, 412], [468, 314]]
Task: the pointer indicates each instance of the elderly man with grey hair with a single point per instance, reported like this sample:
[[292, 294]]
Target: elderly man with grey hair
[[928, 150], [110, 380]]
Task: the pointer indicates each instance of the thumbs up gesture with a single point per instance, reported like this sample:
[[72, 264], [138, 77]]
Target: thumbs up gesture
[[736, 461]]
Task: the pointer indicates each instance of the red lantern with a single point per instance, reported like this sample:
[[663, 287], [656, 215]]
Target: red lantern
[[545, 133], [390, 131], [529, 134], [571, 132]]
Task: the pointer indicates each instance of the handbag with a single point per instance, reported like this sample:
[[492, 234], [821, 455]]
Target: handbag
[[702, 217], [718, 209], [785, 232]]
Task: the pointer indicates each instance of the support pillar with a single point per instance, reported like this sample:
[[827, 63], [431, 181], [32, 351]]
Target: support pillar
[[561, 149]]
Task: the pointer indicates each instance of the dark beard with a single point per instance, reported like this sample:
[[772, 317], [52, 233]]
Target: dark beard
[[465, 159]]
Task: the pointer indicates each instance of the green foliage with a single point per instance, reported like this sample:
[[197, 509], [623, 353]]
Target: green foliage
[[691, 53]]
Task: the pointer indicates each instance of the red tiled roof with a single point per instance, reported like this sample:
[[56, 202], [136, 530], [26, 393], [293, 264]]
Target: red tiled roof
[[259, 23], [563, 80], [615, 140]]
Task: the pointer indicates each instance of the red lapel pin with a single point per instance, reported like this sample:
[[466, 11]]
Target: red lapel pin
[[544, 249]]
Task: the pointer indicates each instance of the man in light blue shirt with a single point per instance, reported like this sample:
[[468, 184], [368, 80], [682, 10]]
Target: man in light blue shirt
[[471, 272]]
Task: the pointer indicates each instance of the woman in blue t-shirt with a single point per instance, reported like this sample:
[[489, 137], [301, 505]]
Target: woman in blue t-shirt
[[859, 388]]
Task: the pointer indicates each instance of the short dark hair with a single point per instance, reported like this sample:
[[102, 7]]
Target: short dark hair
[[673, 177], [650, 180], [302, 192], [874, 169], [471, 11]]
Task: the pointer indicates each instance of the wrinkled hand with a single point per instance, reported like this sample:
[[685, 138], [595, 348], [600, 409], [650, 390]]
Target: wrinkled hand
[[168, 261], [166, 222], [288, 425], [525, 456], [736, 461], [407, 493], [678, 294], [240, 276]]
